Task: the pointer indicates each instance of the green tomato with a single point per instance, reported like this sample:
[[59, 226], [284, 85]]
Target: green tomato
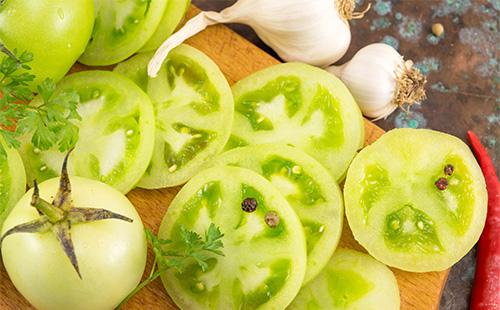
[[406, 210], [173, 15], [111, 253], [55, 31], [194, 111], [351, 280], [116, 132], [121, 29], [12, 179], [302, 106], [307, 186], [264, 258]]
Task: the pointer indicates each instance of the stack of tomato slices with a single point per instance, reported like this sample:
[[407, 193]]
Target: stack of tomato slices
[[261, 161]]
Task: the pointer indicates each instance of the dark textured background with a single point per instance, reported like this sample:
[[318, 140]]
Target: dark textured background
[[462, 71]]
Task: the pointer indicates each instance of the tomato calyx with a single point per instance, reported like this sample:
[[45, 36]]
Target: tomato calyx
[[60, 215]]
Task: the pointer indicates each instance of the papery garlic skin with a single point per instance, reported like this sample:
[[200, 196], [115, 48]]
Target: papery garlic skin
[[374, 77], [309, 31]]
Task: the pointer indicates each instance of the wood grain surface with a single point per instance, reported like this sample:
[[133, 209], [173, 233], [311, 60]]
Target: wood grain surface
[[237, 58]]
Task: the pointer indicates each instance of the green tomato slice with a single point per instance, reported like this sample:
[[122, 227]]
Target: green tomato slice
[[262, 268], [302, 106], [12, 179], [173, 15], [351, 280], [116, 133], [396, 211], [309, 189], [194, 112], [121, 28]]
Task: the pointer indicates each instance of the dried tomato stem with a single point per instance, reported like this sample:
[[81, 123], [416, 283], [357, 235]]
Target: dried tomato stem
[[61, 215]]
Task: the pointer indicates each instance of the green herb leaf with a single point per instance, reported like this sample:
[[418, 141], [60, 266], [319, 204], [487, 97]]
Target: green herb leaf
[[179, 255], [51, 123]]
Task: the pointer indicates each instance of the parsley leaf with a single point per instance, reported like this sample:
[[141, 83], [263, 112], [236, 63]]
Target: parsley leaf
[[49, 121], [179, 255]]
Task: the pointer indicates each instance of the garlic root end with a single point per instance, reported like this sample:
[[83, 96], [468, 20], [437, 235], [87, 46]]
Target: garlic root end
[[410, 86], [346, 9]]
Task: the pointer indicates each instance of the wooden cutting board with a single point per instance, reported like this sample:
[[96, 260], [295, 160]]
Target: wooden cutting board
[[237, 59]]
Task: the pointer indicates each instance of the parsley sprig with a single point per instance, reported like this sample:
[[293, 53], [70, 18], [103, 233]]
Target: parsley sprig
[[179, 255], [50, 119]]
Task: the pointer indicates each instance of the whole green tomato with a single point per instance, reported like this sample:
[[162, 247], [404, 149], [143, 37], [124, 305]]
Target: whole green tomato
[[55, 31], [109, 252]]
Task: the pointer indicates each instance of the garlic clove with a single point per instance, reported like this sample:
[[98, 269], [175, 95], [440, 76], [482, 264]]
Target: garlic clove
[[380, 80], [315, 32], [315, 35]]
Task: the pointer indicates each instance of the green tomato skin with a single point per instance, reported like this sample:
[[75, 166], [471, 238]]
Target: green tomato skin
[[55, 31], [172, 17], [12, 179], [111, 253]]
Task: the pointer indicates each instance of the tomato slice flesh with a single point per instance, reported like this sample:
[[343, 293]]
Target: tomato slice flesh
[[398, 213], [194, 111], [302, 106], [116, 132], [12, 179], [121, 29], [309, 189], [351, 280], [262, 267]]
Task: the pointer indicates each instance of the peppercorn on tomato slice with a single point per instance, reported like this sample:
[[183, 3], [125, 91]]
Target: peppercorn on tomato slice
[[302, 106], [194, 113], [307, 186], [416, 199], [351, 280], [264, 250]]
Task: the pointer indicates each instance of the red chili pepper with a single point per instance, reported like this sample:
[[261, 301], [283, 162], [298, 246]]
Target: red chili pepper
[[486, 288]]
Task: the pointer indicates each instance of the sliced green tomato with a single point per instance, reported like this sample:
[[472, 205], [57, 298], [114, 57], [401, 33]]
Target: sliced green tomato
[[116, 133], [400, 216], [136, 69], [121, 28], [262, 268], [302, 106], [194, 112], [308, 187], [12, 179], [351, 280], [173, 15]]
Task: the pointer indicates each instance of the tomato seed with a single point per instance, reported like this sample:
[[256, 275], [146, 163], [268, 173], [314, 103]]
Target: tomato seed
[[272, 219], [249, 205], [442, 184]]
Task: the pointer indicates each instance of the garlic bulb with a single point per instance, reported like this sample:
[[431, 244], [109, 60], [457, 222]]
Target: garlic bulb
[[380, 80], [311, 31]]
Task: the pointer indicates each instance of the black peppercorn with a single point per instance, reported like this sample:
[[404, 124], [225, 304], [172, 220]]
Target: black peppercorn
[[249, 205], [448, 169], [442, 184]]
